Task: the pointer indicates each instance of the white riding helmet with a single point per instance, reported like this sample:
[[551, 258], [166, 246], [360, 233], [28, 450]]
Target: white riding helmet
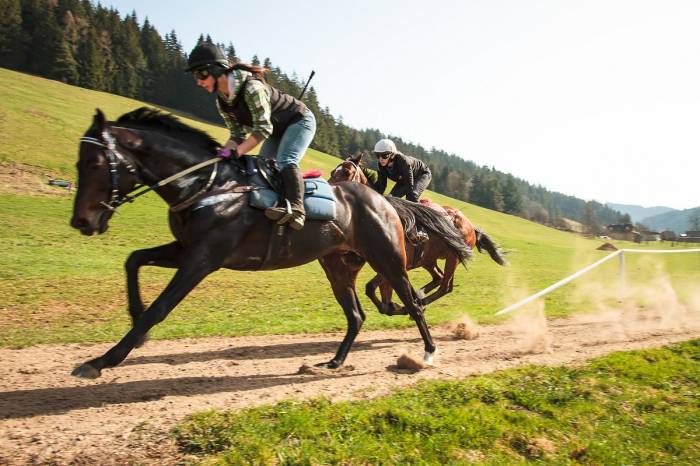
[[385, 145]]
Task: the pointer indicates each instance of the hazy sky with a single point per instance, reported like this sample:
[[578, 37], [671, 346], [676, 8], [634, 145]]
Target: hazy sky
[[597, 99]]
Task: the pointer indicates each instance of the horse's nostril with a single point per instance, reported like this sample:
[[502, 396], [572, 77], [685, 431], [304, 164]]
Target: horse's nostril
[[77, 222]]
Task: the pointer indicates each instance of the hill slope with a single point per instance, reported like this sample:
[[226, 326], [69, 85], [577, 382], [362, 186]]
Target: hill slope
[[639, 213], [678, 220], [58, 286]]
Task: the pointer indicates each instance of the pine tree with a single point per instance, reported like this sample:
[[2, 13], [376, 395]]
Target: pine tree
[[64, 68], [40, 34], [154, 54], [255, 61], [512, 199], [91, 62], [10, 34], [590, 219], [231, 53]]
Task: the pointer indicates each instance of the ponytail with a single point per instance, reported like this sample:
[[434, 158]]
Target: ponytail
[[257, 71]]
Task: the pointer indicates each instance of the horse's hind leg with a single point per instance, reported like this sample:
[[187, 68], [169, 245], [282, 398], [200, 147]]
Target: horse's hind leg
[[446, 284], [342, 277], [167, 255], [435, 275], [385, 306]]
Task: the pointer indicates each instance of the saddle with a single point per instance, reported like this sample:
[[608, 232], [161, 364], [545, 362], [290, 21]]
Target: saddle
[[264, 176]]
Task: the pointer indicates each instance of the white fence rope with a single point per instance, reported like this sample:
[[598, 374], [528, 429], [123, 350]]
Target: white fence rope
[[574, 276]]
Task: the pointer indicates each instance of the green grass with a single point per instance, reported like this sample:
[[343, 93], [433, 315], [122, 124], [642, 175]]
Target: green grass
[[57, 286], [641, 407]]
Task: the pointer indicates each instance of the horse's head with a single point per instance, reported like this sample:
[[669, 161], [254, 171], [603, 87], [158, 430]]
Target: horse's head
[[349, 170], [105, 174]]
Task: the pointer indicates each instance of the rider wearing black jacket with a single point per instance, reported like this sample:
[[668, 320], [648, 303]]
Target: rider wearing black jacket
[[412, 176]]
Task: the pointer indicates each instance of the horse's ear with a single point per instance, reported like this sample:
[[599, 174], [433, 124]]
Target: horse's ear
[[99, 120], [358, 158]]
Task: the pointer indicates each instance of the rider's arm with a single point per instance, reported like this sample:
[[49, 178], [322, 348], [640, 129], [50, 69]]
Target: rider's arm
[[258, 101], [381, 183], [405, 169]]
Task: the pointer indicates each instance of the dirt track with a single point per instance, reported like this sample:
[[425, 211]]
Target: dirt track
[[47, 415]]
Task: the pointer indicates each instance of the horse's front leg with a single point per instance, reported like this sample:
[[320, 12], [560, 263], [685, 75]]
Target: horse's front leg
[[342, 277], [193, 268], [167, 255]]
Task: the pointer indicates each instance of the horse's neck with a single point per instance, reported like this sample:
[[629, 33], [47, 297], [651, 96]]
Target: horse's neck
[[161, 164]]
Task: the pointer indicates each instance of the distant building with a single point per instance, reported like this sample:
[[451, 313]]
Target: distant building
[[623, 231], [691, 236], [668, 235], [651, 236]]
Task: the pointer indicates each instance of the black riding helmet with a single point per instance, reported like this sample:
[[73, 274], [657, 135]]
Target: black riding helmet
[[207, 57]]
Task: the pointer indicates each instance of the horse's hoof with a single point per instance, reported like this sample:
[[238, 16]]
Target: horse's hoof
[[86, 371], [328, 365], [429, 357]]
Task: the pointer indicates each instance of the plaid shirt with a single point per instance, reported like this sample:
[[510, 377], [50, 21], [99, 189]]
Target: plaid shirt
[[256, 98]]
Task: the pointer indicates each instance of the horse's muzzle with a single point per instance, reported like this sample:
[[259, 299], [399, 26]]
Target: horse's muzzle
[[88, 228]]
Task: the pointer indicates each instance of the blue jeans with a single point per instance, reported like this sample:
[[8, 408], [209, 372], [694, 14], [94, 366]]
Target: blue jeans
[[290, 147]]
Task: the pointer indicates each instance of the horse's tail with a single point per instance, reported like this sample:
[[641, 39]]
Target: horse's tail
[[413, 213], [484, 242]]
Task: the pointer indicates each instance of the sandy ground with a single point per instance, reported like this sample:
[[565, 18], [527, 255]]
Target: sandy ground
[[25, 179], [47, 416]]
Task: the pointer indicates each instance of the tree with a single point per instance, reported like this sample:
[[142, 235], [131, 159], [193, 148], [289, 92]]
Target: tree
[[512, 199], [624, 219], [231, 53], [590, 220], [91, 62], [40, 34], [10, 34], [64, 68]]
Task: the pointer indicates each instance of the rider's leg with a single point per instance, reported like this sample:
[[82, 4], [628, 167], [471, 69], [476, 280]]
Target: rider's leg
[[292, 146], [414, 195]]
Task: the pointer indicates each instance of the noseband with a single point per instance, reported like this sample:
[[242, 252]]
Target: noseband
[[355, 175], [114, 158]]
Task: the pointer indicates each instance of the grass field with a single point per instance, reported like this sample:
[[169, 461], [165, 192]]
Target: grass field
[[58, 286], [625, 408]]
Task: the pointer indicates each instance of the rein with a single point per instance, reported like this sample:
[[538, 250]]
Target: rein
[[114, 158]]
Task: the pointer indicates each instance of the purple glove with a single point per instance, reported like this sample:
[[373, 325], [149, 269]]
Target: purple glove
[[224, 153]]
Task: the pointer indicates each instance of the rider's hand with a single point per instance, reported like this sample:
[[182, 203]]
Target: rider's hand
[[224, 153]]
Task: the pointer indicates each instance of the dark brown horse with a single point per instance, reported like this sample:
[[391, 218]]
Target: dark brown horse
[[425, 255], [219, 229]]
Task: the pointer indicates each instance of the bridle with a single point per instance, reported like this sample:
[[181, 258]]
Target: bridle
[[355, 175], [114, 158]]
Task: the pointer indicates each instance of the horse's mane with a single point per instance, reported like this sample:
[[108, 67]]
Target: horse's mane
[[151, 118]]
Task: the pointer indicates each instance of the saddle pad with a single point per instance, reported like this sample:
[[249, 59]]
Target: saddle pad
[[319, 200]]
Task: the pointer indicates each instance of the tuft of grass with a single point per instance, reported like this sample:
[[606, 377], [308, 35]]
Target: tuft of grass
[[626, 408]]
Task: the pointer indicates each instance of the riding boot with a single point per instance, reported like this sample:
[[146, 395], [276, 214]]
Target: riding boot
[[294, 192]]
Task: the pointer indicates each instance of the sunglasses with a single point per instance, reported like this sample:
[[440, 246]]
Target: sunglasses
[[384, 155], [201, 75]]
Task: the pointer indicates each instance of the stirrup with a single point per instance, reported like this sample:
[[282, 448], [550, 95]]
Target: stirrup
[[297, 221], [280, 214], [418, 238]]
